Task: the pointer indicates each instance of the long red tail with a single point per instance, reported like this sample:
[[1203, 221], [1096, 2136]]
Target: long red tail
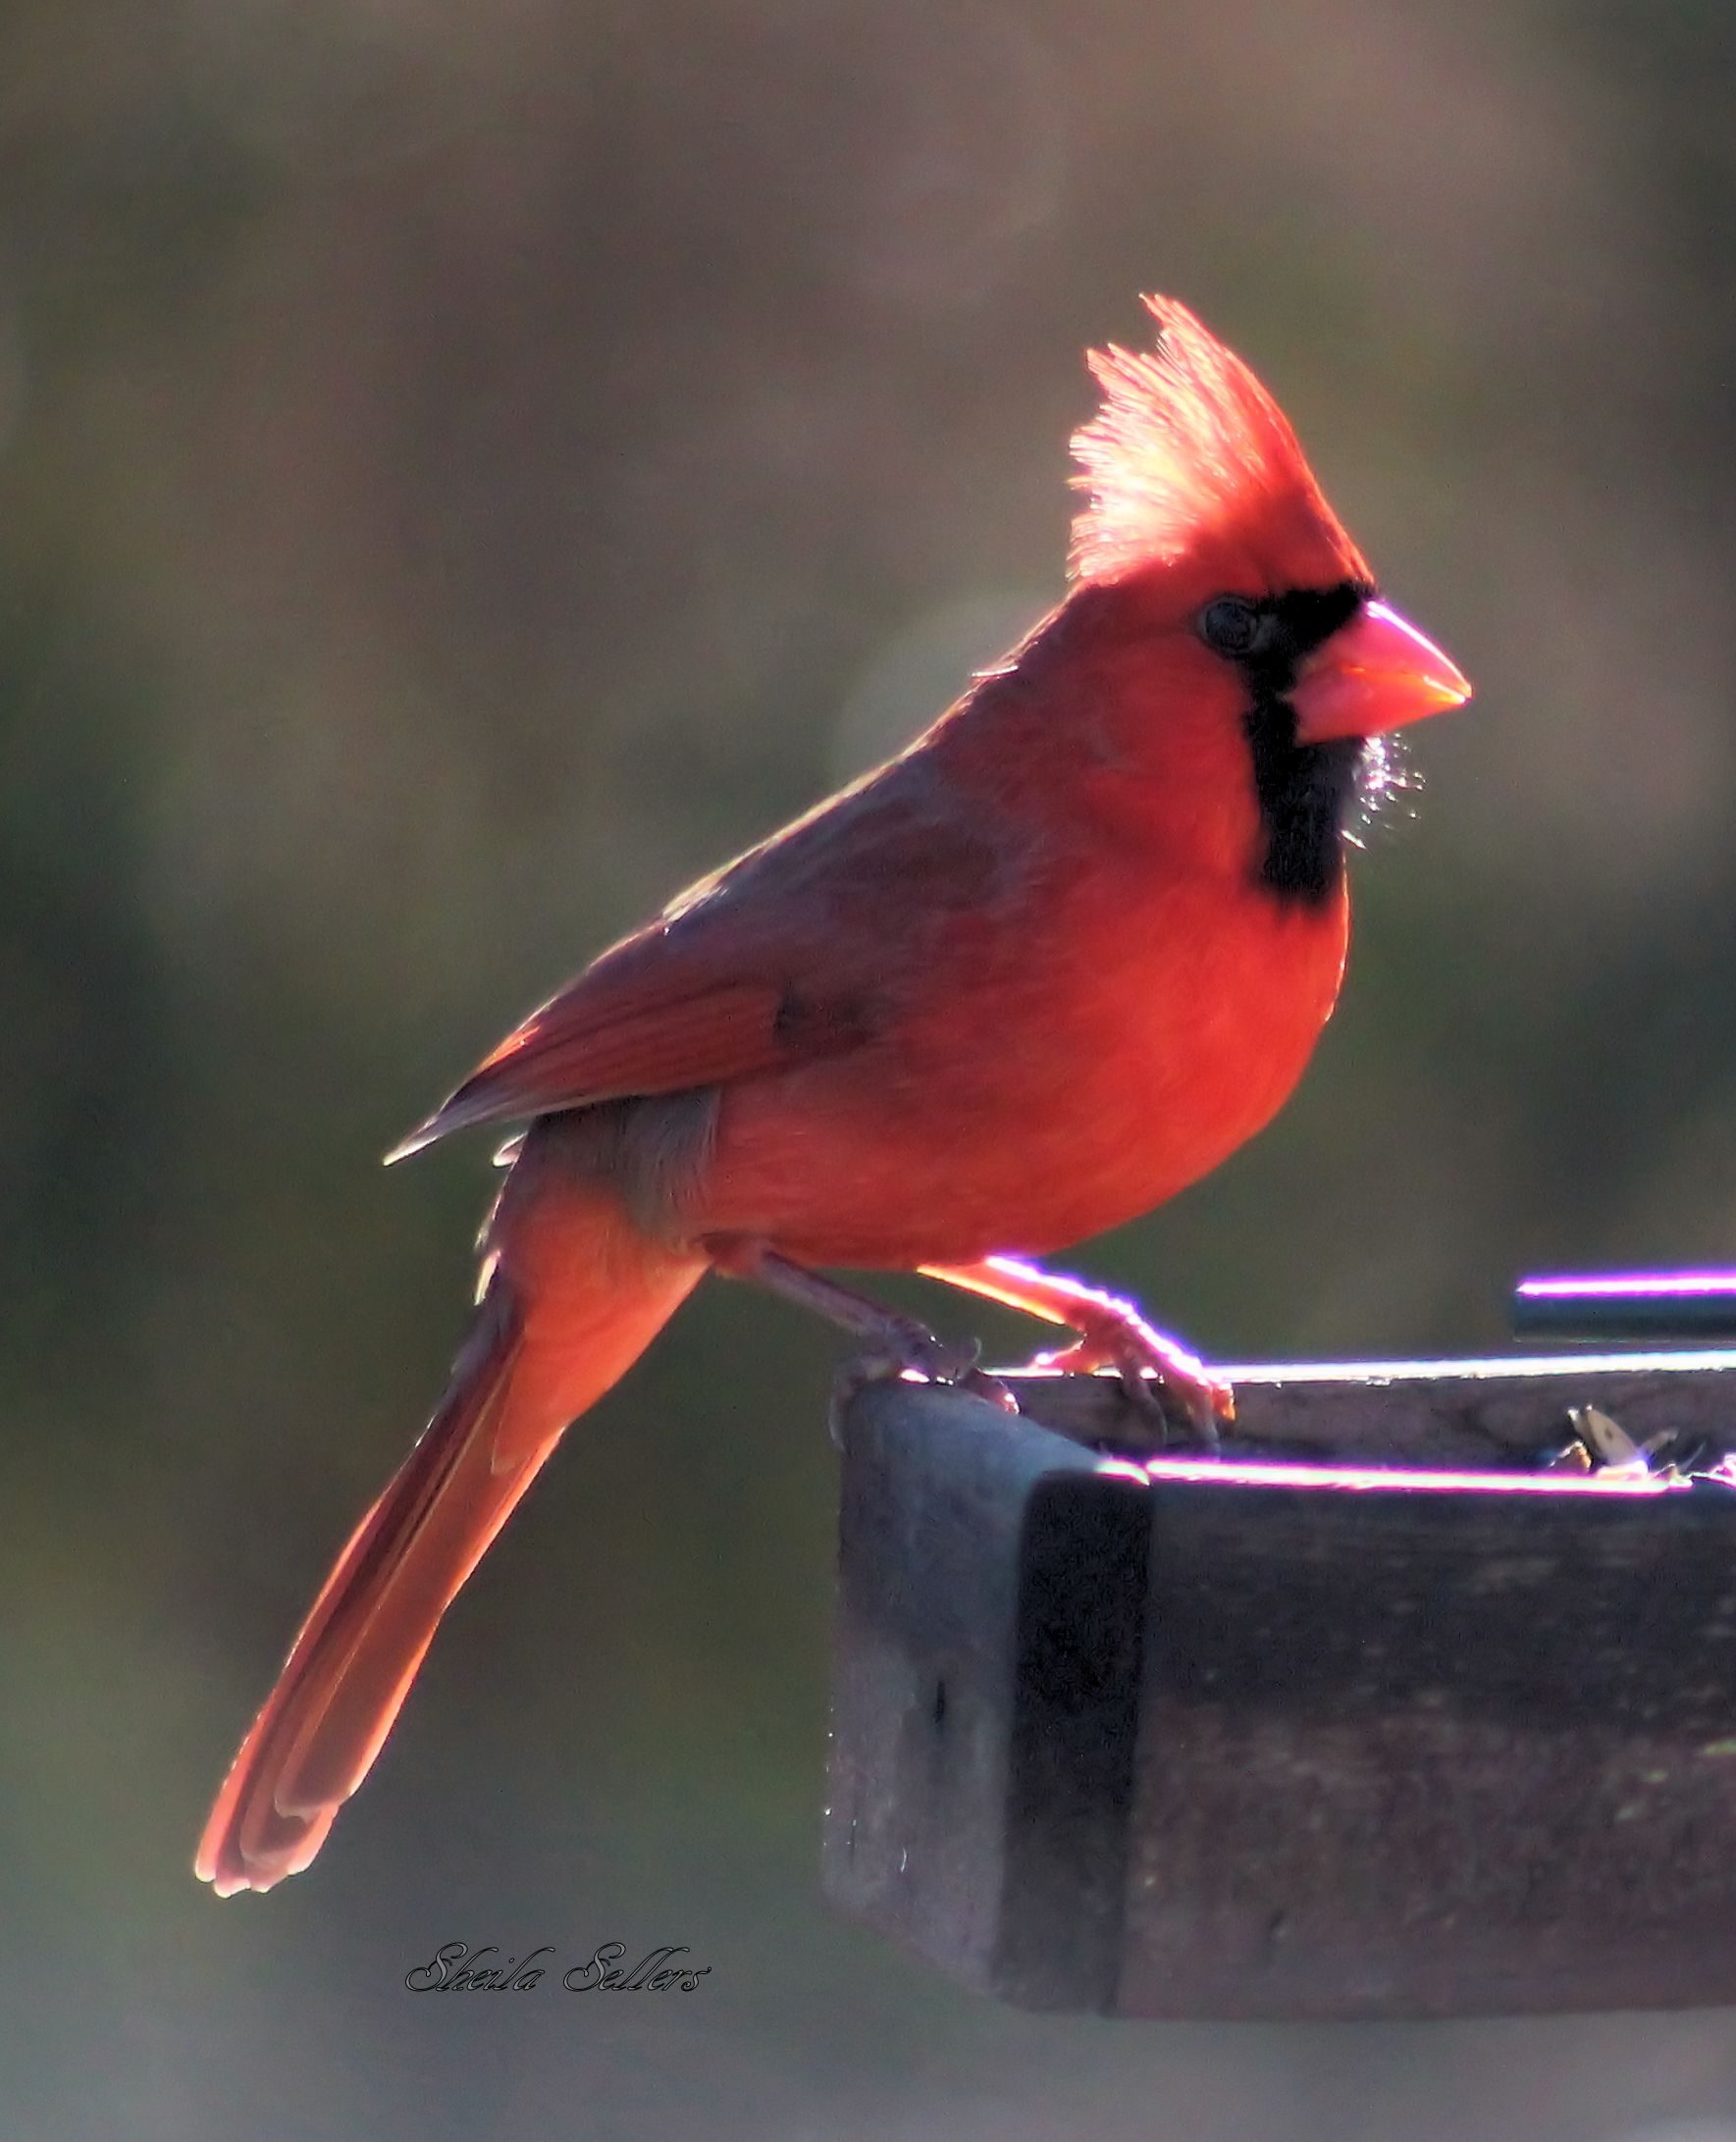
[[576, 1301]]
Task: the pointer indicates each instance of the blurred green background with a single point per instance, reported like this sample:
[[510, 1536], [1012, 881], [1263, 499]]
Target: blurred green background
[[464, 470]]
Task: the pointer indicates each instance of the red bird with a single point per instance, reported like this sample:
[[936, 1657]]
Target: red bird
[[1048, 965]]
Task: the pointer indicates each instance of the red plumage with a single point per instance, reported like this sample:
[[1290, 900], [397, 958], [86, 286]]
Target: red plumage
[[1034, 976]]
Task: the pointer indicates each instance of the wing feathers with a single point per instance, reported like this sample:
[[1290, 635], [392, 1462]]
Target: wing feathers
[[574, 1051], [778, 959]]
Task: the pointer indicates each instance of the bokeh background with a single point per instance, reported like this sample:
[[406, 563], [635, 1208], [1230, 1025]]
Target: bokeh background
[[465, 469]]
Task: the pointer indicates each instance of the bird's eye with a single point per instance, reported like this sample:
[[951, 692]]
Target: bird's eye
[[1231, 626]]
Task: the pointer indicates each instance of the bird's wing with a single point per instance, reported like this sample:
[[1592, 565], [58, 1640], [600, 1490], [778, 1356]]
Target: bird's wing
[[633, 1029], [777, 959]]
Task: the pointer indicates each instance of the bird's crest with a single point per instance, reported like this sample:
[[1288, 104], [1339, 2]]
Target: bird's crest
[[1188, 442]]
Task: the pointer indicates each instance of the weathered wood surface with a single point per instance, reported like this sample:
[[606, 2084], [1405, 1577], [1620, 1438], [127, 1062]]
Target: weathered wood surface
[[1498, 1413], [1151, 1742]]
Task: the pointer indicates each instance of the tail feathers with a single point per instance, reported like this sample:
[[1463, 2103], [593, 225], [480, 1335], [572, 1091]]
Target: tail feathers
[[375, 1616], [518, 1382]]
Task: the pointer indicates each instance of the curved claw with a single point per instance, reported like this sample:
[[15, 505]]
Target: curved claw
[[1160, 1377], [911, 1349]]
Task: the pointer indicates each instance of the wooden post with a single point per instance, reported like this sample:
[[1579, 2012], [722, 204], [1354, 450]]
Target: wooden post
[[1280, 1739]]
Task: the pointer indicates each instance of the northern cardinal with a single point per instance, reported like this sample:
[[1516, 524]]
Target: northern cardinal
[[1048, 965]]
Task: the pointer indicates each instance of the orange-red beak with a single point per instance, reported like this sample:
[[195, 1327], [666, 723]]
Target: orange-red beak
[[1375, 673]]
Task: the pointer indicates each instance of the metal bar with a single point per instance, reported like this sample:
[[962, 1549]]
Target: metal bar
[[1677, 1307]]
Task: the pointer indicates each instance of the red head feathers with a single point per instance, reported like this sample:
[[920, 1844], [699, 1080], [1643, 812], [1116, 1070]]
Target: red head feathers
[[1189, 444]]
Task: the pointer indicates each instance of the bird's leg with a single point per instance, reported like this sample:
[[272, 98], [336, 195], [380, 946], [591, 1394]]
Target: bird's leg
[[1112, 1334], [892, 1343]]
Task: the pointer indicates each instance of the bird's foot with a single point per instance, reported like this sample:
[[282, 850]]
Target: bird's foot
[[892, 1343], [901, 1347], [1172, 1388]]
